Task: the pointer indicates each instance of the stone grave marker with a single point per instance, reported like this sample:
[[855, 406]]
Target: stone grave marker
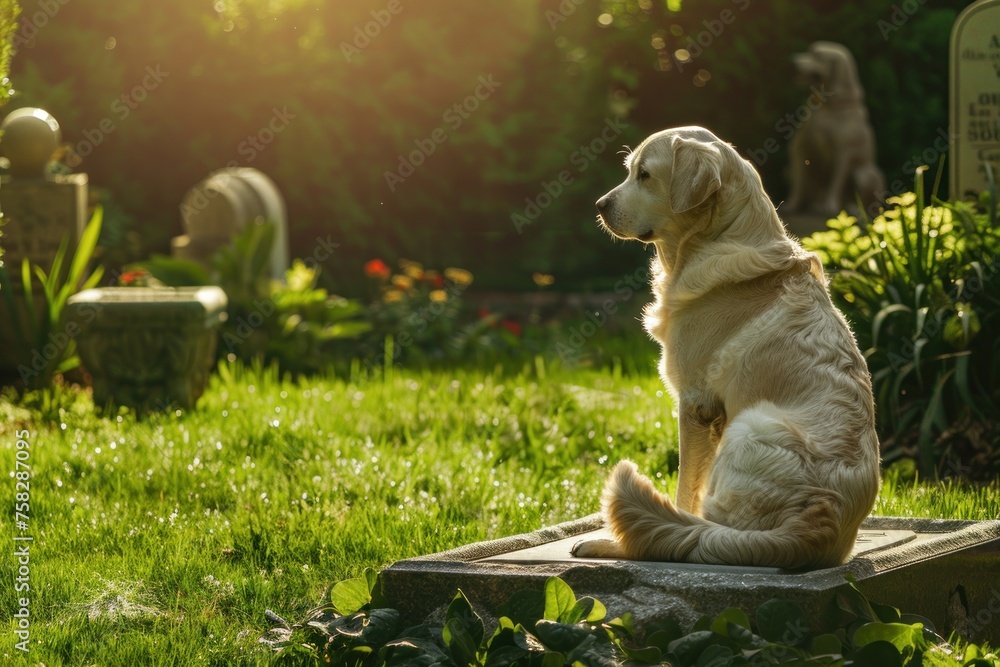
[[222, 205], [975, 98], [39, 209], [947, 571]]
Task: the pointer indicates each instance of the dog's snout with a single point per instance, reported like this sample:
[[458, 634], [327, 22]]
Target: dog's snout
[[604, 203]]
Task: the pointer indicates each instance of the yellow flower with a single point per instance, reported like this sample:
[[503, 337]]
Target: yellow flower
[[438, 295], [392, 296], [458, 276], [402, 282], [543, 279], [412, 269]]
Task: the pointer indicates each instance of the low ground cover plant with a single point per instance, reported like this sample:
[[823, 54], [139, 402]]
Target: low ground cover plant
[[552, 627], [921, 288]]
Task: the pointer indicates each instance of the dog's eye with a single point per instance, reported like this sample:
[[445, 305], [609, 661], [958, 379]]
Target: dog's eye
[[643, 174]]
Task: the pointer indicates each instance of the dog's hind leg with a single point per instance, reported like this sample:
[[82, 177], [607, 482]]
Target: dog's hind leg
[[700, 430]]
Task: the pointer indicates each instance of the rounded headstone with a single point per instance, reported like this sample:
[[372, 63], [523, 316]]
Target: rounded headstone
[[30, 137]]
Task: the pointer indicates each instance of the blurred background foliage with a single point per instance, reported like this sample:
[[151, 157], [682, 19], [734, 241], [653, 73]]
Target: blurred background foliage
[[565, 67]]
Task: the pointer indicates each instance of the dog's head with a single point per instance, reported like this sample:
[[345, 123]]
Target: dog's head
[[669, 174], [829, 65]]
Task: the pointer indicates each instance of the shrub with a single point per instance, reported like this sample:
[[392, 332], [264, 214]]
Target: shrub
[[920, 286], [292, 323]]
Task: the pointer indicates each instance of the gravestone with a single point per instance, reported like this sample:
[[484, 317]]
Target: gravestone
[[947, 571], [39, 209], [975, 99], [223, 205]]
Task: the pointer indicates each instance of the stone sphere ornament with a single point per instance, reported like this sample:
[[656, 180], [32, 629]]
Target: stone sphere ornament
[[29, 138]]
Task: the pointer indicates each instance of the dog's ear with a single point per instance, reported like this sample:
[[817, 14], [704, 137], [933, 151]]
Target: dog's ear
[[697, 173]]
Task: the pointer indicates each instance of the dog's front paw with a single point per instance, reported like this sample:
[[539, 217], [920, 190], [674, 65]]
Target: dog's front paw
[[597, 549]]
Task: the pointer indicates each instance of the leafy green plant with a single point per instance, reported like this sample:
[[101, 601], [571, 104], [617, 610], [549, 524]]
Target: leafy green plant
[[293, 323], [554, 627], [919, 286], [414, 311], [548, 627], [44, 349]]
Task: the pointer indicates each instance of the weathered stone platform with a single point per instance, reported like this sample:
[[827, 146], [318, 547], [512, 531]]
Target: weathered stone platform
[[947, 571]]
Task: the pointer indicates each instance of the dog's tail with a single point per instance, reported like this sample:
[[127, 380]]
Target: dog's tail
[[648, 526]]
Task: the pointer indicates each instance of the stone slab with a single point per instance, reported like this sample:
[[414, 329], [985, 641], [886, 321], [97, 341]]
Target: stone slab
[[948, 571]]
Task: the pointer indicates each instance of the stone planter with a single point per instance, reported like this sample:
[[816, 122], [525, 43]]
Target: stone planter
[[148, 348]]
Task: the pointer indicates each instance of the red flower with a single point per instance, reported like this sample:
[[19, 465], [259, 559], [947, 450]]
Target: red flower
[[376, 268], [512, 327], [131, 277]]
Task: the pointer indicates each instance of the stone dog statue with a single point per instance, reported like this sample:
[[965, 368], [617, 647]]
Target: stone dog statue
[[833, 150]]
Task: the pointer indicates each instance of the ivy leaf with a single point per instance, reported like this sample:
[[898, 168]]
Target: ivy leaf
[[592, 652], [661, 633], [687, 649], [350, 595], [731, 615], [461, 644], [782, 622], [412, 653], [585, 609], [649, 655], [853, 601], [460, 611], [560, 636], [878, 654], [505, 656], [559, 600], [827, 644], [524, 608], [900, 635], [623, 624], [382, 626]]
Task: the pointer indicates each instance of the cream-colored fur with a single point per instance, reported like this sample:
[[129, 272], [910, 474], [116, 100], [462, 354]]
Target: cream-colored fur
[[779, 461]]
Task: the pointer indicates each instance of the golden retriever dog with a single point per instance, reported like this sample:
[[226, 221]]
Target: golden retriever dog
[[779, 460], [833, 150]]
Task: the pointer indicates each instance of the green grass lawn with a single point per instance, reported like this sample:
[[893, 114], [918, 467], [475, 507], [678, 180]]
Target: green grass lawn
[[162, 541]]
